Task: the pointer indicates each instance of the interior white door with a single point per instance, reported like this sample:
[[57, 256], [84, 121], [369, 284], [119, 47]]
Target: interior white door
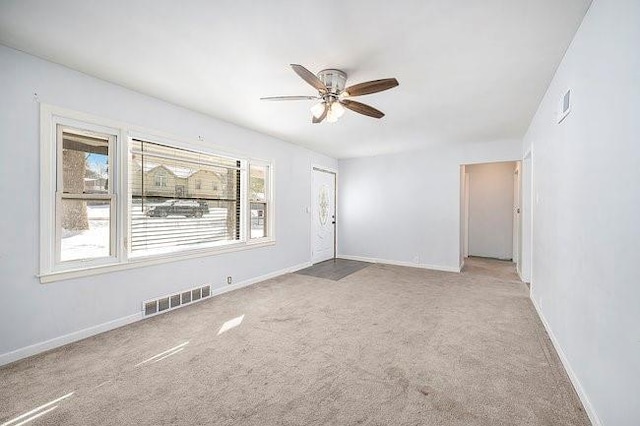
[[323, 216]]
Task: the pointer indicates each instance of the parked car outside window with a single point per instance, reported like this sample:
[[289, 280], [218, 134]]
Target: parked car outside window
[[187, 208]]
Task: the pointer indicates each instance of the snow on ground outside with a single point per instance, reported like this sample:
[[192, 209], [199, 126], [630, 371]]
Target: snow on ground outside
[[89, 244], [150, 235]]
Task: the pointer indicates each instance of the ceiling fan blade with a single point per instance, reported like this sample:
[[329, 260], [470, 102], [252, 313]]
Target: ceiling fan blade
[[317, 120], [309, 77], [371, 87], [362, 108], [288, 98]]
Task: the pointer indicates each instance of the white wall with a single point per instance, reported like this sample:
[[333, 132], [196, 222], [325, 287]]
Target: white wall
[[405, 208], [491, 209], [30, 312], [586, 228]]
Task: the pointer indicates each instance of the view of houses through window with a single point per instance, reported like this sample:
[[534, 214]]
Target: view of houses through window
[[176, 199], [197, 202]]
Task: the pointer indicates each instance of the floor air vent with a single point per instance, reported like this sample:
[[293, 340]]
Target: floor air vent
[[173, 301]]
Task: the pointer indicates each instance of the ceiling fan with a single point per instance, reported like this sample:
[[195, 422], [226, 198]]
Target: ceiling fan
[[333, 95]]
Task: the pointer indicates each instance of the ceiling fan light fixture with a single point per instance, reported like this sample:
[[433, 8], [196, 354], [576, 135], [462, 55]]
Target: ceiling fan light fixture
[[331, 117], [318, 109], [333, 96], [337, 109]]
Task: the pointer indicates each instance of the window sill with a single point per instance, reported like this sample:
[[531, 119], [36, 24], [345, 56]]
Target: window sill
[[50, 277]]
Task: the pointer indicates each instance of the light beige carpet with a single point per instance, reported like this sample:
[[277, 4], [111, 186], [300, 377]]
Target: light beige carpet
[[386, 345]]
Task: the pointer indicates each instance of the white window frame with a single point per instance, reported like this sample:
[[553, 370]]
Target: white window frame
[[51, 192], [111, 196], [120, 158], [268, 201], [169, 143]]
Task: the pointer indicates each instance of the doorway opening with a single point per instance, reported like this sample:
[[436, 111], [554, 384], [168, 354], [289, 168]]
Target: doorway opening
[[323, 215], [490, 199]]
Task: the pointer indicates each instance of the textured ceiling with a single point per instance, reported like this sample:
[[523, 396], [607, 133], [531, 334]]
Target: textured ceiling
[[468, 70]]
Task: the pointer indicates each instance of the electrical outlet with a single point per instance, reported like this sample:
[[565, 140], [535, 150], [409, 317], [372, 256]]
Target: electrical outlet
[[229, 280]]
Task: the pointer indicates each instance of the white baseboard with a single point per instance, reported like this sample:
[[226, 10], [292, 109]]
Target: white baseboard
[[521, 276], [401, 263], [251, 281], [56, 342], [595, 420]]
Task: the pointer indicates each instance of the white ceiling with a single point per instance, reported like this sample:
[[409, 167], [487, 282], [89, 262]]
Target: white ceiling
[[469, 70]]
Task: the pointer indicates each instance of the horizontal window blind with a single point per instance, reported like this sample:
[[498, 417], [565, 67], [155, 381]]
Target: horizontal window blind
[[181, 199]]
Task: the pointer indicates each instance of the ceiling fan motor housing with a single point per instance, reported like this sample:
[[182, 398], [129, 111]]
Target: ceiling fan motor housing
[[330, 84], [334, 80]]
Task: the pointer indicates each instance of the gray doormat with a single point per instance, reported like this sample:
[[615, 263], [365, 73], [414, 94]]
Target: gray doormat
[[334, 269]]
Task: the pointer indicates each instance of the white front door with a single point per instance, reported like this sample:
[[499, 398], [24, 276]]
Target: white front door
[[323, 216]]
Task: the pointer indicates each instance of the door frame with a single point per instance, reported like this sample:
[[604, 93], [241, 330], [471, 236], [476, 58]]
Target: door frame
[[517, 216], [465, 247], [527, 198], [464, 216], [320, 168], [465, 210]]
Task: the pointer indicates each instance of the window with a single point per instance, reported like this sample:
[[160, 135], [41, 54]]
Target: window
[[258, 185], [161, 179], [85, 203], [171, 218], [112, 199]]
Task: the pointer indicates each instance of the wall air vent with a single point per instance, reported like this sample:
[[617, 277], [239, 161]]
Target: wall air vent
[[173, 301], [564, 107], [206, 291], [195, 294], [150, 308], [163, 304]]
